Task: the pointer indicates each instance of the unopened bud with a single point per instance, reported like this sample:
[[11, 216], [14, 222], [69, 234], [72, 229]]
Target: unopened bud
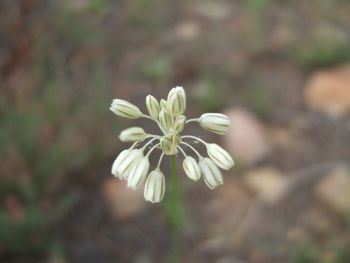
[[133, 157], [215, 122], [133, 134], [177, 100], [138, 173], [166, 119], [220, 157], [211, 173], [155, 187], [120, 158], [125, 109], [153, 107], [180, 123], [191, 168], [163, 104]]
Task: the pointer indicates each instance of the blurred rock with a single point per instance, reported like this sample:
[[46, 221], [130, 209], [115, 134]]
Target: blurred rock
[[334, 190], [210, 247], [267, 182], [228, 260], [246, 139], [329, 91], [229, 205], [289, 138], [123, 202], [238, 63], [257, 256], [144, 258], [213, 9], [187, 30], [282, 35], [295, 233]]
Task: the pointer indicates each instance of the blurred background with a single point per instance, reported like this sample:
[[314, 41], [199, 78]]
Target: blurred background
[[278, 68]]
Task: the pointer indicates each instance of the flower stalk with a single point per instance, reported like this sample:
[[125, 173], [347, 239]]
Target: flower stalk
[[175, 211], [133, 164]]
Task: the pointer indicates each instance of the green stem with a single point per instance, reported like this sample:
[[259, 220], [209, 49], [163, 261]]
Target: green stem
[[175, 210], [173, 174]]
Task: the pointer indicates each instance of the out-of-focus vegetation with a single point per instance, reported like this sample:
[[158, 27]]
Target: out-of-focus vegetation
[[44, 134], [334, 248], [35, 151], [323, 52], [48, 128]]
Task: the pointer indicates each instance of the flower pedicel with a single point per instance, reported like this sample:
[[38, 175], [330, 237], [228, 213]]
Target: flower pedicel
[[133, 164]]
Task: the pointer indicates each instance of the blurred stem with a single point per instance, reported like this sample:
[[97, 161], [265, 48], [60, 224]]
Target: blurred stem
[[175, 211]]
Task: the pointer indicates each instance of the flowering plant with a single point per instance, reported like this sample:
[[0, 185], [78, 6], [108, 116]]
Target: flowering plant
[[133, 164]]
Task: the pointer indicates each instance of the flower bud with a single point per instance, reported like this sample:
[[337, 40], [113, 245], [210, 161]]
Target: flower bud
[[120, 158], [177, 100], [180, 123], [166, 120], [133, 157], [215, 122], [191, 168], [133, 134], [125, 109], [155, 187], [220, 157], [152, 106], [163, 104], [211, 173], [169, 144], [138, 173]]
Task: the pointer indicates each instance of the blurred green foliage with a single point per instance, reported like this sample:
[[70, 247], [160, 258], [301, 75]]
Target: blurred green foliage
[[39, 144], [47, 132], [34, 152], [258, 99], [141, 13], [213, 80], [156, 68], [257, 5], [334, 248], [321, 53], [309, 253], [207, 97], [100, 6]]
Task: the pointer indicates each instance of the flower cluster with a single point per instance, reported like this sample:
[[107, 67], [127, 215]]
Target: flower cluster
[[133, 164]]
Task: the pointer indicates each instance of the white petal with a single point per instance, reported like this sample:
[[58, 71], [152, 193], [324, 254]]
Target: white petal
[[120, 158]]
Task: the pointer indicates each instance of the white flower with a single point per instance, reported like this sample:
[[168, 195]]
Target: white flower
[[133, 134], [127, 164], [191, 168], [163, 104], [120, 158], [215, 122], [153, 106], [125, 109], [180, 123], [220, 157], [177, 100], [211, 173], [133, 164], [166, 120], [155, 187], [138, 173]]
